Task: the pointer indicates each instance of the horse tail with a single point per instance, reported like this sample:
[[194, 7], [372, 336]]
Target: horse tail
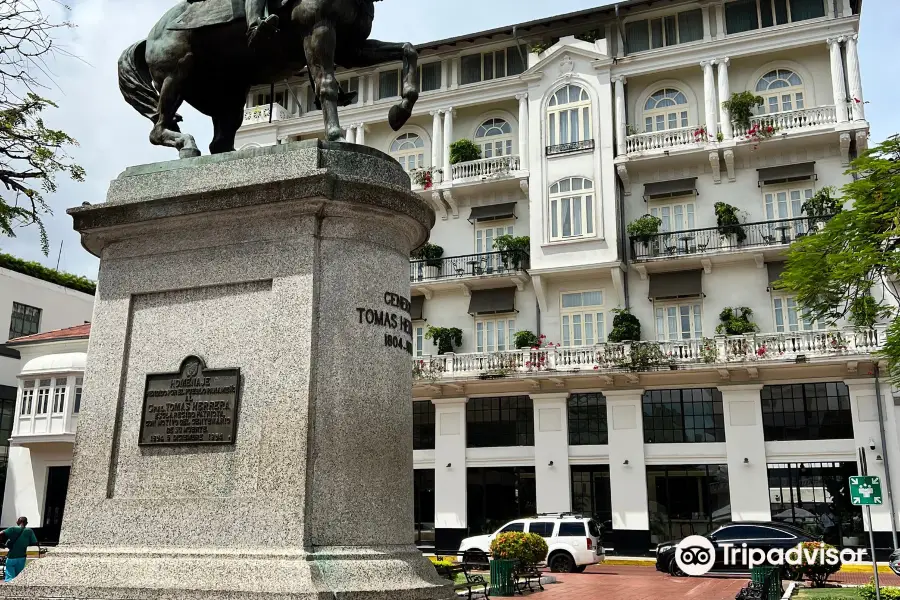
[[136, 83]]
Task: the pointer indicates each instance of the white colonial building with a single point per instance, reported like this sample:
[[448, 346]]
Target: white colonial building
[[585, 123]]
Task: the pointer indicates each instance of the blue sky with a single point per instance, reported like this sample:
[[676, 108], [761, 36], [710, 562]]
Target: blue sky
[[113, 136]]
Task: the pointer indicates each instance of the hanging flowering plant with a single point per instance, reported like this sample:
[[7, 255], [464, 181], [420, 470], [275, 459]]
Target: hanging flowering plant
[[425, 177], [700, 134], [759, 132]]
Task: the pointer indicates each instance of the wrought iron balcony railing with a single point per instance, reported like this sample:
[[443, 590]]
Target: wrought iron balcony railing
[[470, 265], [714, 239], [570, 147]]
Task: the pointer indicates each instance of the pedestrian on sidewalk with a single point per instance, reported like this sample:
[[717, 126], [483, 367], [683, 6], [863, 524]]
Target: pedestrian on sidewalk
[[17, 539]]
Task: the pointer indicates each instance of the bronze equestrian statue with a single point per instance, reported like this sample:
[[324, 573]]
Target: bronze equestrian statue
[[209, 53]]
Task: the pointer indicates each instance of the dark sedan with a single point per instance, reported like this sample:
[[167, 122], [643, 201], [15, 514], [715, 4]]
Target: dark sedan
[[762, 535]]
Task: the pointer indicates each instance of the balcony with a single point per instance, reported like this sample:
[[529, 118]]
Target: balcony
[[750, 351], [453, 270], [706, 241], [477, 170], [569, 148], [663, 140], [263, 114], [792, 121]]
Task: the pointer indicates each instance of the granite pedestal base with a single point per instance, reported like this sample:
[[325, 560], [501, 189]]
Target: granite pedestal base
[[290, 263]]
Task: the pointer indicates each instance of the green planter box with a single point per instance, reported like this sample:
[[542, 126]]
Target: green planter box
[[502, 582], [759, 574]]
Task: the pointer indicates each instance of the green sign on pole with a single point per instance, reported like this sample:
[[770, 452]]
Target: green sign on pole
[[865, 490]]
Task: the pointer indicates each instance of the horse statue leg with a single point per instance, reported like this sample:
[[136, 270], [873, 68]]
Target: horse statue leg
[[373, 52], [319, 46]]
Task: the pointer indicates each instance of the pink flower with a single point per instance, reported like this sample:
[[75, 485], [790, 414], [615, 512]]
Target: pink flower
[[857, 100], [596, 368], [543, 336]]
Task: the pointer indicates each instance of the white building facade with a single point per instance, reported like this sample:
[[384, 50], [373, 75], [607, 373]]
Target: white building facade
[[586, 123]]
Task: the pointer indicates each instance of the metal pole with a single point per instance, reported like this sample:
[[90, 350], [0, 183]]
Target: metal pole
[[58, 256], [872, 545], [884, 455]]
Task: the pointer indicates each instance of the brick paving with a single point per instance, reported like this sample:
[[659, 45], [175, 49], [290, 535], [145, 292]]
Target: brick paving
[[637, 583]]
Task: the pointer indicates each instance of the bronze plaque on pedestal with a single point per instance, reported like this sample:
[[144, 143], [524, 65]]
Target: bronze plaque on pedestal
[[194, 406]]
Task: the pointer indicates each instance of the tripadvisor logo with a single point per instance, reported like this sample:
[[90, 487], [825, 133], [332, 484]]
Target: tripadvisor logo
[[696, 555]]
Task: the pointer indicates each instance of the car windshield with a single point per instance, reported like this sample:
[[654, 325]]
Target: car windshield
[[593, 529]]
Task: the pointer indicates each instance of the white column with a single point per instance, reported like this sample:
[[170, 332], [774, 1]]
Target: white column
[[523, 130], [854, 79], [448, 139], [621, 117], [370, 88], [846, 9], [361, 134], [837, 79], [864, 411], [445, 73], [551, 453], [436, 139], [450, 463], [724, 94], [709, 92], [454, 73], [748, 481], [627, 469], [720, 21], [707, 30], [351, 134]]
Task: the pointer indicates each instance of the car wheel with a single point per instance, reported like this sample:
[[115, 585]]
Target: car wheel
[[580, 569], [562, 562], [475, 557], [675, 570]]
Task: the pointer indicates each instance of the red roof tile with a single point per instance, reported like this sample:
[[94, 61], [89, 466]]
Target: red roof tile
[[79, 331]]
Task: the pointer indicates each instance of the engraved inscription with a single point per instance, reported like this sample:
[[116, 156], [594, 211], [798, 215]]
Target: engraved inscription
[[194, 406], [400, 325]]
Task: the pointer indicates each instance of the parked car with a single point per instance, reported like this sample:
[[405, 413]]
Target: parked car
[[573, 541], [894, 561], [764, 535]]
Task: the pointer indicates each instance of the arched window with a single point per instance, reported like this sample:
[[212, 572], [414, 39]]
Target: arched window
[[495, 138], [665, 109], [409, 150], [571, 208], [782, 89], [569, 116]]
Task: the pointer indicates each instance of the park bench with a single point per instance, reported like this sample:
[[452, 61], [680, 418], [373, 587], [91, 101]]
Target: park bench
[[756, 590], [471, 583], [525, 576]]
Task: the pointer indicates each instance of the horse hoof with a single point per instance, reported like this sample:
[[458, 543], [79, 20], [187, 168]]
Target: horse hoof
[[188, 153], [398, 117]]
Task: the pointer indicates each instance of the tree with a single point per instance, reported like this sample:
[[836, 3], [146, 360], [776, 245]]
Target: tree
[[840, 269], [31, 154]]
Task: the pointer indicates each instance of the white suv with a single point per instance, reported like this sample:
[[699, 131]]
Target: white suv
[[573, 541]]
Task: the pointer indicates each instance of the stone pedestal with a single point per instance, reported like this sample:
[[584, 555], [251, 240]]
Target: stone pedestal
[[291, 264]]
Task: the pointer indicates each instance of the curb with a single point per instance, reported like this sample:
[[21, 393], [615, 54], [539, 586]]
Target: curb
[[629, 562], [789, 591]]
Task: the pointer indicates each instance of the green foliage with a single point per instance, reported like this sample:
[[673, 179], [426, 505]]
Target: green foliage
[[823, 204], [445, 338], [430, 253], [626, 326], [728, 222], [741, 106], [865, 311], [644, 228], [527, 548], [816, 570], [538, 46], [513, 250], [856, 250], [39, 271], [527, 339], [464, 151], [736, 321], [642, 356], [590, 36], [708, 351], [867, 592]]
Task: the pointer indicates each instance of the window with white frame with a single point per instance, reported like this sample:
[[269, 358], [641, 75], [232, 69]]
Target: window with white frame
[[569, 116], [76, 405], [679, 320], [582, 318], [747, 15], [666, 109], [786, 203], [27, 404], [43, 397], [669, 30], [390, 83], [495, 335], [789, 315], [59, 396], [782, 90], [494, 64], [409, 150], [678, 216], [419, 348], [486, 233], [571, 208], [495, 138]]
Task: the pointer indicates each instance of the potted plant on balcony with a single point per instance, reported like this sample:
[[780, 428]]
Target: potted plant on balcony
[[431, 255], [513, 250], [426, 177], [527, 339], [736, 321], [445, 338], [644, 230], [729, 224], [464, 151], [626, 327], [820, 208], [740, 106]]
